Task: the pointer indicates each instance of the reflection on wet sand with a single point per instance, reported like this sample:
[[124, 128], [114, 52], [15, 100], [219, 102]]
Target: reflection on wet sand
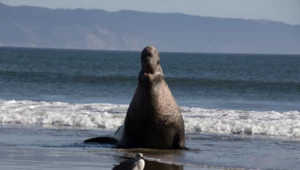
[[150, 165], [154, 159]]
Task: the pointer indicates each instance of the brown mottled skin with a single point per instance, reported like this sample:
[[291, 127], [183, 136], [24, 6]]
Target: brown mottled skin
[[153, 118]]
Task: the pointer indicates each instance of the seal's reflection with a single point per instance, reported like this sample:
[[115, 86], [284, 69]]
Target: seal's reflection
[[151, 165]]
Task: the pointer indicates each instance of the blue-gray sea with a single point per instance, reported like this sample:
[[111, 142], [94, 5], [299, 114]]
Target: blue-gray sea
[[241, 111]]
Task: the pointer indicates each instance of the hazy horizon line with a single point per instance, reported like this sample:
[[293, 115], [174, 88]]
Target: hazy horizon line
[[182, 13], [160, 51]]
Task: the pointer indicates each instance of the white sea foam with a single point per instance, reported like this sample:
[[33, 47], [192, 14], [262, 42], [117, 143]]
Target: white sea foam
[[111, 116], [243, 122]]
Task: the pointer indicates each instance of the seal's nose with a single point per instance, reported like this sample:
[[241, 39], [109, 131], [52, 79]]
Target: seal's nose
[[149, 51]]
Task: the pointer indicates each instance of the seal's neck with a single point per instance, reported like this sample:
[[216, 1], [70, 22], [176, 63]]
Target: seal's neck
[[150, 80]]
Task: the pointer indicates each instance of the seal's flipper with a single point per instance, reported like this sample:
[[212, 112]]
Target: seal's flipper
[[185, 148], [178, 142], [102, 140]]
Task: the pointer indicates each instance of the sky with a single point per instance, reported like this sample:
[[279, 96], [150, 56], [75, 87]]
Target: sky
[[287, 11]]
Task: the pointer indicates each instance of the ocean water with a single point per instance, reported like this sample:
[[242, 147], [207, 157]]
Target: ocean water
[[241, 111]]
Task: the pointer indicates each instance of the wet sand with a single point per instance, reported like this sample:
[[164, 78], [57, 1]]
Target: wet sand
[[36, 147]]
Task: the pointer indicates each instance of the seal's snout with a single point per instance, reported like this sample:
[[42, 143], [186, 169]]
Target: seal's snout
[[149, 60], [147, 66]]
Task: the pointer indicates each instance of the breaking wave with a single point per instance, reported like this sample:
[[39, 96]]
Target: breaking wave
[[111, 116]]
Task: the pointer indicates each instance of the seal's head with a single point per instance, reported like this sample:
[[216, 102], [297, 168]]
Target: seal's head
[[150, 61]]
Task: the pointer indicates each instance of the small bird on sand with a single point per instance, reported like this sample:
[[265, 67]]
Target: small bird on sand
[[137, 163]]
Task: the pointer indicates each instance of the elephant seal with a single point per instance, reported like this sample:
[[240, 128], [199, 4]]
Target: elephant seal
[[153, 119]]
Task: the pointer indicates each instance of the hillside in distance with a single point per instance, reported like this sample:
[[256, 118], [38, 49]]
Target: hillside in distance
[[26, 26]]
